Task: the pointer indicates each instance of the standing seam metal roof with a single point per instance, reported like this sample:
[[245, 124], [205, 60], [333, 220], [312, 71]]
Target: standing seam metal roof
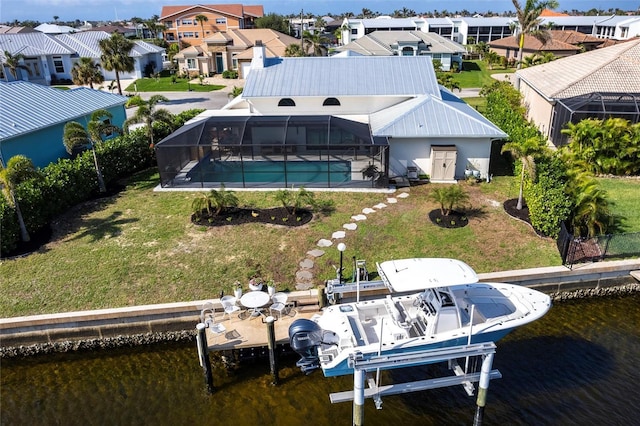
[[27, 107], [343, 76]]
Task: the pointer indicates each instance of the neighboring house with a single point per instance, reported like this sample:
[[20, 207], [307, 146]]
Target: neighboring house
[[469, 30], [598, 84], [181, 25], [231, 50], [408, 43], [560, 43], [4, 29], [54, 29], [33, 116], [343, 130], [51, 58]]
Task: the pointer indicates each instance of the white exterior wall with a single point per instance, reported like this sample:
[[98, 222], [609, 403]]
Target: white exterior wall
[[417, 152], [313, 105]]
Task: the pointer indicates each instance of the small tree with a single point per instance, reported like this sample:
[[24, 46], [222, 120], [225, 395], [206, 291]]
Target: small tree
[[525, 151], [115, 55], [294, 200], [222, 199], [449, 197], [148, 114], [201, 19], [85, 71], [13, 62], [19, 168]]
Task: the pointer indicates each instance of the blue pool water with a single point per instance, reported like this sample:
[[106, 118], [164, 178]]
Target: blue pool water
[[271, 171]]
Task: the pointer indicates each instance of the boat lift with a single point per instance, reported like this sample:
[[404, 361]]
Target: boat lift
[[365, 367]]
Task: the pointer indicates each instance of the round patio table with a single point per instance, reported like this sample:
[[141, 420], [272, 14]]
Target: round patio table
[[254, 300]]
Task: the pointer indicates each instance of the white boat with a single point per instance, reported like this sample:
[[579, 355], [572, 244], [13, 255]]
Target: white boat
[[433, 303]]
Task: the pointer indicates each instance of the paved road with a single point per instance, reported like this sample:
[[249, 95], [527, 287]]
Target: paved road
[[182, 101]]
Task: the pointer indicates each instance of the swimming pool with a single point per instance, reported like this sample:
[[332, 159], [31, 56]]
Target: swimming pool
[[279, 172]]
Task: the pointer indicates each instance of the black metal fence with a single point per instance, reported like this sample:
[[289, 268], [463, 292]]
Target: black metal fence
[[578, 250]]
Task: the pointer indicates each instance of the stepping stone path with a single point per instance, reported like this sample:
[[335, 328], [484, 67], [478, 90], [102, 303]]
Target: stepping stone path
[[304, 276]]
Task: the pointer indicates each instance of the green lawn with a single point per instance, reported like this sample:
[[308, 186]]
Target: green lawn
[[625, 195], [165, 84], [140, 247], [476, 74]]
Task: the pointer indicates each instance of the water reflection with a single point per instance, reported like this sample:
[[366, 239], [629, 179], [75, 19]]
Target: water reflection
[[578, 365]]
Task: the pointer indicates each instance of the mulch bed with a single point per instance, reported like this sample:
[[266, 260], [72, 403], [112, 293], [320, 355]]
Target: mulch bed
[[454, 219], [238, 216], [522, 214]]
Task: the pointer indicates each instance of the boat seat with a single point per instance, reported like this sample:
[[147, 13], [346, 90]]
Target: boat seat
[[397, 312]]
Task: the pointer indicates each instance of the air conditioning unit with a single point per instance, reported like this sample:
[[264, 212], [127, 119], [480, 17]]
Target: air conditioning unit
[[412, 173]]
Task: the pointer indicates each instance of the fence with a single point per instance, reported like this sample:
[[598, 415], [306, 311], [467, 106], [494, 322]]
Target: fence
[[577, 250]]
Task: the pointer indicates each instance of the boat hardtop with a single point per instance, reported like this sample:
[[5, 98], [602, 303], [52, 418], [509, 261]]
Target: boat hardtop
[[422, 273]]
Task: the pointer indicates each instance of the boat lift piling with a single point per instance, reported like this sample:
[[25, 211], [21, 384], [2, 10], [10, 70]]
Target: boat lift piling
[[203, 355], [362, 367]]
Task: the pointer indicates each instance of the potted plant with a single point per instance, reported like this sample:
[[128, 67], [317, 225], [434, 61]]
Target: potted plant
[[255, 284], [370, 172], [271, 288]]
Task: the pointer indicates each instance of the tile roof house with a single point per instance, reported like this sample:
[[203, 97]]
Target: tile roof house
[[601, 83], [408, 43], [397, 119], [181, 25], [32, 117], [231, 49], [51, 58]]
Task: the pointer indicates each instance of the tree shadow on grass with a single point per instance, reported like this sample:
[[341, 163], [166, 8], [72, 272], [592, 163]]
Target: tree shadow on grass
[[98, 229]]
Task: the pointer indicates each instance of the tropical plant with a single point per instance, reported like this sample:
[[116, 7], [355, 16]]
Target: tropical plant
[[449, 197], [85, 71], [590, 214], [201, 19], [236, 91], [273, 21], [525, 151], [201, 203], [19, 168], [293, 50], [315, 43], [222, 199], [13, 63], [115, 55], [294, 200], [75, 135], [492, 58], [148, 114], [529, 22], [447, 80]]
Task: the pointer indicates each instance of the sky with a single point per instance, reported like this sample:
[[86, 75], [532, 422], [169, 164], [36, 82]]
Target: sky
[[111, 10]]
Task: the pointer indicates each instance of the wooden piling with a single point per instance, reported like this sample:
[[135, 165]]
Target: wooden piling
[[273, 356], [203, 355]]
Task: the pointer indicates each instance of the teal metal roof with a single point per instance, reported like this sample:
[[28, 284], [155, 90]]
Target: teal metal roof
[[26, 107]]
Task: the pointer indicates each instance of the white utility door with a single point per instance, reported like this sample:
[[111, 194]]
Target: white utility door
[[443, 163]]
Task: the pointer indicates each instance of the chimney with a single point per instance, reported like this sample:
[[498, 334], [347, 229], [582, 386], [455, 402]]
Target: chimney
[[259, 55]]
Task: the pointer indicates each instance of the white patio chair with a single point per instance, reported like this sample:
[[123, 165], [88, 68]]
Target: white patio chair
[[229, 305], [207, 317], [279, 303]]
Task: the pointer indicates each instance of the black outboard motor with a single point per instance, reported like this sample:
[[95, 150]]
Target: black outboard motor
[[304, 337]]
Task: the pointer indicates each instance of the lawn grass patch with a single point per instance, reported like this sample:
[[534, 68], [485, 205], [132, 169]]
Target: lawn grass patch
[[166, 84], [476, 74], [625, 195]]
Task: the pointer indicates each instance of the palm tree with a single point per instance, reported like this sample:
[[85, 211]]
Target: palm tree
[[222, 199], [590, 214], [202, 19], [13, 63], [529, 20], [525, 151], [85, 71], [293, 49], [147, 113], [75, 135], [315, 42], [115, 55], [449, 197], [19, 168]]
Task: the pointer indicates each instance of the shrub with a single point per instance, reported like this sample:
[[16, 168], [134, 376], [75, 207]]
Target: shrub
[[9, 225], [229, 74]]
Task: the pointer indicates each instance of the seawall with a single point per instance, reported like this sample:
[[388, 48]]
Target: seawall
[[176, 321]]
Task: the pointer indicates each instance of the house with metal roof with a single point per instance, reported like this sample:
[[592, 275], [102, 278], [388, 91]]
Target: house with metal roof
[[598, 84], [32, 117], [363, 121], [51, 58], [408, 43]]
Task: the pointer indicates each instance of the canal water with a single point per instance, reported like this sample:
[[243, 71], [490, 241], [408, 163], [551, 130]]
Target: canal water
[[576, 366]]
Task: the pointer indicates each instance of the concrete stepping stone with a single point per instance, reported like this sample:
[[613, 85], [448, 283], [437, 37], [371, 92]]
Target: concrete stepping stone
[[338, 235], [359, 217], [380, 206], [368, 210], [392, 200], [304, 275], [403, 195], [306, 264], [304, 286], [315, 253], [350, 226], [325, 243]]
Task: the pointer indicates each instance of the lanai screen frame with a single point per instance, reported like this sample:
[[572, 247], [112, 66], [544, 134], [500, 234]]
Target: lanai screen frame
[[594, 105], [271, 138]]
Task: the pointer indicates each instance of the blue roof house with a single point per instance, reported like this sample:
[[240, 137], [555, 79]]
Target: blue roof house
[[32, 118]]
